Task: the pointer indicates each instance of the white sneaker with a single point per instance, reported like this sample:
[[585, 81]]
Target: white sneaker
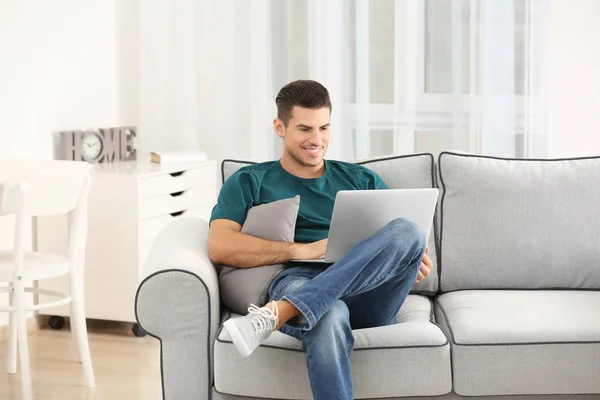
[[248, 332]]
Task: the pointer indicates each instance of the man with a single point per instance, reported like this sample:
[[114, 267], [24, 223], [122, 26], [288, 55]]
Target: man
[[318, 304]]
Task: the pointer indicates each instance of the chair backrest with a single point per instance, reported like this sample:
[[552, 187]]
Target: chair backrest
[[47, 193], [50, 192]]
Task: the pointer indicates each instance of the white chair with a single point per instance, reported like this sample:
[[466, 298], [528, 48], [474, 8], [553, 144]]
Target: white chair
[[49, 193]]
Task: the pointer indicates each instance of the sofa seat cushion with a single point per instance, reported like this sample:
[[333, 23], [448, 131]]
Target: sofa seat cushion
[[522, 342], [410, 358]]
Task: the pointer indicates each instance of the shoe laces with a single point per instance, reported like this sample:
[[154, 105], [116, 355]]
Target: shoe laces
[[264, 318]]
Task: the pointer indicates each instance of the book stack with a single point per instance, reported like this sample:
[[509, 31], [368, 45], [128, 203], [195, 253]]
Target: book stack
[[178, 156]]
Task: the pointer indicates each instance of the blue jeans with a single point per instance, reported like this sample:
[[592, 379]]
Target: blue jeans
[[365, 289]]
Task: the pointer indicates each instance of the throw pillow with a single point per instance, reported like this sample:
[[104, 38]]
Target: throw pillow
[[239, 287]]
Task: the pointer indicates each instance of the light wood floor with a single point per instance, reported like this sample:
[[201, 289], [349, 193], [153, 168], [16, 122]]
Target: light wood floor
[[126, 367]]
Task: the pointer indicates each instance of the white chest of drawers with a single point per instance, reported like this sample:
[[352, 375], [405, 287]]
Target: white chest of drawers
[[129, 203]]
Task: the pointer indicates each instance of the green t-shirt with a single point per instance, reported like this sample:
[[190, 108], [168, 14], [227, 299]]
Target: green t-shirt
[[266, 182]]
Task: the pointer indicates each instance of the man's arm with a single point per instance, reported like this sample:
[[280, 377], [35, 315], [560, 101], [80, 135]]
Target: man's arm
[[227, 245]]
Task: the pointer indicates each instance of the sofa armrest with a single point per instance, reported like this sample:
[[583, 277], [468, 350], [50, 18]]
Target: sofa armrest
[[177, 302]]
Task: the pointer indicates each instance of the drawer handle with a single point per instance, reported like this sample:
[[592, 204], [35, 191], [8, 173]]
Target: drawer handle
[[176, 174], [177, 214], [177, 193]]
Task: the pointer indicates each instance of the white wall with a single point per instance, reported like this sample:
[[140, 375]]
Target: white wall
[[574, 100], [58, 71]]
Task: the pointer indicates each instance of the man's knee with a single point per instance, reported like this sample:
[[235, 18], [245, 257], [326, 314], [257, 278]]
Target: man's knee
[[336, 319], [403, 232]]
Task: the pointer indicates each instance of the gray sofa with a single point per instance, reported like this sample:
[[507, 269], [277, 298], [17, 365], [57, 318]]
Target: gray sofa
[[511, 309]]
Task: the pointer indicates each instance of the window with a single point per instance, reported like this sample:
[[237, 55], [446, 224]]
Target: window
[[413, 76]]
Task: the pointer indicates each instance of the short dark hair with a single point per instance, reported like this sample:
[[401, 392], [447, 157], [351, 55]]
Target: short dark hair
[[302, 93]]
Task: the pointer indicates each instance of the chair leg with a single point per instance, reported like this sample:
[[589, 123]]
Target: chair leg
[[19, 294], [11, 358], [72, 322], [74, 334], [78, 325]]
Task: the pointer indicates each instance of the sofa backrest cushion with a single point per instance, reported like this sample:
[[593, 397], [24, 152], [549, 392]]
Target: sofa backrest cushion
[[398, 172], [519, 223]]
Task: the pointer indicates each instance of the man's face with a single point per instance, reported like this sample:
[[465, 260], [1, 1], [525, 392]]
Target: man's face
[[306, 137]]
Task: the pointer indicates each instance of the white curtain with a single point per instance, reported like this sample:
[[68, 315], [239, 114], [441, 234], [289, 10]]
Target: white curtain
[[404, 76], [205, 77], [486, 65]]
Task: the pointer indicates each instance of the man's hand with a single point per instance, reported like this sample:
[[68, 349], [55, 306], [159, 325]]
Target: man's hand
[[426, 266], [309, 251]]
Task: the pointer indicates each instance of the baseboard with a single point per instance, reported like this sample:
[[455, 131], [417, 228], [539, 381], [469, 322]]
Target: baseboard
[[40, 322], [32, 326]]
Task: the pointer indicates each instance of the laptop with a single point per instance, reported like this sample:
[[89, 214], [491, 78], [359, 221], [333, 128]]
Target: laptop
[[358, 214]]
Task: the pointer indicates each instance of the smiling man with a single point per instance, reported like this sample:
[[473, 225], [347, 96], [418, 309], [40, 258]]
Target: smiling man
[[318, 304]]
